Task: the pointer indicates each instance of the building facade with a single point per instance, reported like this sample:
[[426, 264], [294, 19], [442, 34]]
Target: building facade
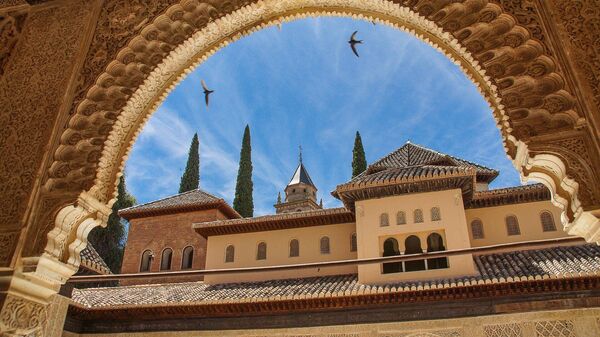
[[161, 238], [413, 201]]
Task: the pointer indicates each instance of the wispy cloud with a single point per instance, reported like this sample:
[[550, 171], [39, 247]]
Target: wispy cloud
[[302, 85]]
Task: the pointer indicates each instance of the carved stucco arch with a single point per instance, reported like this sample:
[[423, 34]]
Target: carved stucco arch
[[511, 69]]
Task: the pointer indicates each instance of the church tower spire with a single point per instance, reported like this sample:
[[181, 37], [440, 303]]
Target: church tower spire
[[300, 193]]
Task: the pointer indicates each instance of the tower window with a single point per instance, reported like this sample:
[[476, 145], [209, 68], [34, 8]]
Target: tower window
[[418, 215], [390, 248], [165, 261], [353, 243], [512, 225], [477, 229], [435, 243], [261, 251], [229, 254], [384, 220], [294, 248], [413, 246], [436, 214], [146, 261], [188, 257], [547, 222], [325, 249], [400, 218]]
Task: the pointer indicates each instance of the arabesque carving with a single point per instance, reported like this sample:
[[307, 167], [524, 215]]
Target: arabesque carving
[[511, 69], [21, 317], [11, 25]]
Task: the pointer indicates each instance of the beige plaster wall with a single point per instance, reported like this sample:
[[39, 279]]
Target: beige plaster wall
[[557, 323], [278, 252], [452, 226], [494, 226]]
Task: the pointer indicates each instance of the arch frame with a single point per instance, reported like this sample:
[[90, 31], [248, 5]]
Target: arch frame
[[151, 83]]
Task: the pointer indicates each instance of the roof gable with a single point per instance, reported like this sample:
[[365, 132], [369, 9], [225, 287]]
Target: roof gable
[[415, 155]]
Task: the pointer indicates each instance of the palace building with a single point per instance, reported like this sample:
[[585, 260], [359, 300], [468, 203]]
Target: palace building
[[528, 279]]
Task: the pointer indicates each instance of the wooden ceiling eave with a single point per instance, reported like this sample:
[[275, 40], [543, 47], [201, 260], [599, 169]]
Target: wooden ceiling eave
[[350, 194]]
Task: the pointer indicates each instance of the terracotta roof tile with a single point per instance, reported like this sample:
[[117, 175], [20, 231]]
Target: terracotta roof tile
[[556, 262], [510, 195], [414, 155], [91, 260], [184, 201]]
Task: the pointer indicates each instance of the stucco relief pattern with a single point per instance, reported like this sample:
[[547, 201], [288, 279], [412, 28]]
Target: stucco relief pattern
[[22, 317], [32, 94], [129, 44], [434, 333], [531, 89], [11, 25], [562, 328], [579, 163], [119, 21], [581, 19], [503, 330], [8, 241]]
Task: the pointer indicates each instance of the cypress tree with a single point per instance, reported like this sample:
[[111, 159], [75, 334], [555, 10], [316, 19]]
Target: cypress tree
[[359, 162], [243, 202], [191, 176], [109, 241]]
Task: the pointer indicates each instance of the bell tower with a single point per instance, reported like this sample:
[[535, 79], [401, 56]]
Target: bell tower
[[300, 192]]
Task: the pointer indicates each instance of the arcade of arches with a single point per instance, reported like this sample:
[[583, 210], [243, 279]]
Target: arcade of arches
[[79, 78]]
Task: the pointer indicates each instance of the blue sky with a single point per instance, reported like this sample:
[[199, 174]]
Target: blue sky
[[302, 85]]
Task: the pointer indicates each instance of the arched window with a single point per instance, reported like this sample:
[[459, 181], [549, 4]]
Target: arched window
[[435, 243], [229, 254], [325, 245], [400, 218], [353, 243], [384, 220], [147, 257], [165, 260], [261, 251], [547, 222], [413, 246], [418, 215], [390, 248], [294, 248], [436, 215], [477, 229], [512, 225], [188, 257]]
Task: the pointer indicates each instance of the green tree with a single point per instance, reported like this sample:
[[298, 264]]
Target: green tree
[[359, 162], [109, 241], [243, 202], [191, 176]]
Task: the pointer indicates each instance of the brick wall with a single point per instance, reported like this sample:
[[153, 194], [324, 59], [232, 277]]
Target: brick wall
[[166, 231]]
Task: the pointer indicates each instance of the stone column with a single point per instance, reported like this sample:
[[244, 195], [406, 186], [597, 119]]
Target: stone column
[[32, 306]]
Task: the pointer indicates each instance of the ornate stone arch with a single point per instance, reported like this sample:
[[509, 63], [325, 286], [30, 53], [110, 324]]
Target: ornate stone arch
[[514, 71]]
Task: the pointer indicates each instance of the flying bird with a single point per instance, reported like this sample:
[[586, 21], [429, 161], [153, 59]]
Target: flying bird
[[206, 92], [353, 41]]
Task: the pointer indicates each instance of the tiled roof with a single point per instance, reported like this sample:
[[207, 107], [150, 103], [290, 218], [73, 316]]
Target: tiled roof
[[409, 173], [510, 195], [548, 263], [415, 155], [186, 201], [90, 259], [317, 217]]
